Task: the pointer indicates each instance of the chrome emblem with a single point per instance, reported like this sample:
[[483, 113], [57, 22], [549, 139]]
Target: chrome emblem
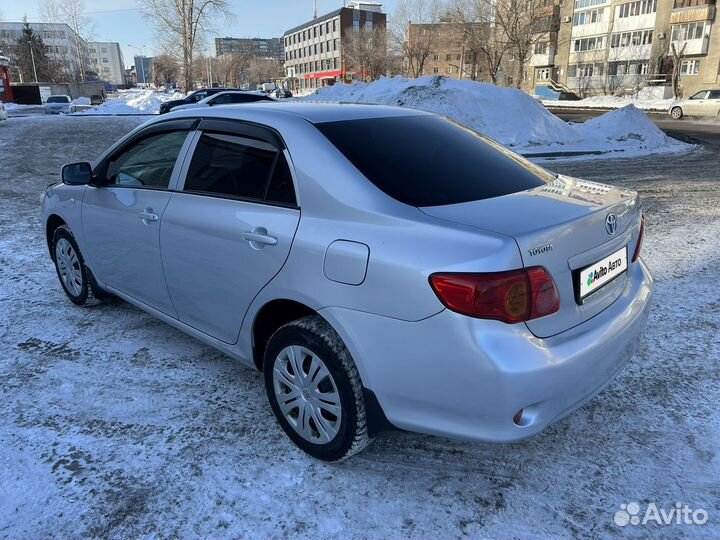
[[540, 249], [611, 223]]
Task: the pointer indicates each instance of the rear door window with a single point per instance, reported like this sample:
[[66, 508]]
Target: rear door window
[[231, 166], [431, 161]]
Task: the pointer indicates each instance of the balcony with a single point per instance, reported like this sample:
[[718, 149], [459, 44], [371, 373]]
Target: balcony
[[693, 47], [693, 14]]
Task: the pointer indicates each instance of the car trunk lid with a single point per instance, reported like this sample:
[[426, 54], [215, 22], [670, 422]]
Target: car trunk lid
[[561, 226]]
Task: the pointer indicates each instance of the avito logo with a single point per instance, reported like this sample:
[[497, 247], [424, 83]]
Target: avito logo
[[594, 275]]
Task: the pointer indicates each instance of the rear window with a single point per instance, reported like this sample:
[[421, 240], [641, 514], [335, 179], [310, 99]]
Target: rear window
[[58, 99], [430, 160]]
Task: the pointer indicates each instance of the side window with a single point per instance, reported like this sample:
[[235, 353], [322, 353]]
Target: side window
[[222, 100], [281, 189], [147, 163], [198, 97], [231, 166], [241, 98], [714, 94], [700, 95]]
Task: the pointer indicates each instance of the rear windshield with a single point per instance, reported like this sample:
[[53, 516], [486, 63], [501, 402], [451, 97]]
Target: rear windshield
[[430, 160], [58, 99]]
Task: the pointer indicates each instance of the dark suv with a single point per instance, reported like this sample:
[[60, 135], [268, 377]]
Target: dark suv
[[201, 94]]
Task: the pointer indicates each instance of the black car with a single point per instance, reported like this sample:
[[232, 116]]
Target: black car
[[96, 99], [201, 94]]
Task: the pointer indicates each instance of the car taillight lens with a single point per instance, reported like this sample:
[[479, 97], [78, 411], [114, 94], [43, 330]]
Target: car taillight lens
[[511, 297], [641, 237]]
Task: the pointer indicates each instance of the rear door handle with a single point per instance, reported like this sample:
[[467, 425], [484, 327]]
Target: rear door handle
[[147, 215], [259, 237]]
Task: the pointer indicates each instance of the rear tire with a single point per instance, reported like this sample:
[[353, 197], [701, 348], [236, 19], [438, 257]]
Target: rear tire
[[676, 113], [76, 279], [314, 389]]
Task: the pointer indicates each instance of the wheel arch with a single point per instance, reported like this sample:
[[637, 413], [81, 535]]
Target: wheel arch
[[53, 222]]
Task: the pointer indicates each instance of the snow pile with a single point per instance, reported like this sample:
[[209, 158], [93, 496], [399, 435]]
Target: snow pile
[[613, 102], [511, 117], [82, 101], [133, 101]]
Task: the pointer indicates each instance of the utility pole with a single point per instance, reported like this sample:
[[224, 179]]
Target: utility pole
[[314, 9], [32, 57]]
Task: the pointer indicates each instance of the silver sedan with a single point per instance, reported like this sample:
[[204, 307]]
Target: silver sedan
[[382, 267]]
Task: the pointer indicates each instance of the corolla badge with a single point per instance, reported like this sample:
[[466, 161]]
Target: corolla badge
[[611, 223]]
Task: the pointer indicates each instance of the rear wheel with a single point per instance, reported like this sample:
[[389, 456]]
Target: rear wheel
[[76, 279], [676, 113], [314, 389]]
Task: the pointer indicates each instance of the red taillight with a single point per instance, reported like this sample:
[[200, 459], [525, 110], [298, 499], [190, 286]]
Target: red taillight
[[511, 297], [641, 237]]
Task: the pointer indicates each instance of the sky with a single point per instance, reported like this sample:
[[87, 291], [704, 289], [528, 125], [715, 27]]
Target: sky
[[122, 21]]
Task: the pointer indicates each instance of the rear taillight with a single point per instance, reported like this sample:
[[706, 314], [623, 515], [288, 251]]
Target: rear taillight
[[511, 297], [641, 237]]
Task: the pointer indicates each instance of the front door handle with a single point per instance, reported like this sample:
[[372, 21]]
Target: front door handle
[[259, 238], [148, 215]]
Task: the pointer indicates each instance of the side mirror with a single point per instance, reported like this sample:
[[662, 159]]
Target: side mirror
[[77, 174]]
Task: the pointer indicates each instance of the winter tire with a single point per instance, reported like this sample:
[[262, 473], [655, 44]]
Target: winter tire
[[315, 390], [76, 279]]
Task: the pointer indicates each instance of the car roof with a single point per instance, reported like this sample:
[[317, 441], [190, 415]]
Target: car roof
[[314, 112]]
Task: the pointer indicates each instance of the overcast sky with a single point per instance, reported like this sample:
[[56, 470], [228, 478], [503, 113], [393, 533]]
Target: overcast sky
[[121, 21]]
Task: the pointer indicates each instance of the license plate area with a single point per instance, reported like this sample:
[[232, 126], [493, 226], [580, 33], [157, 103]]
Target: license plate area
[[592, 278]]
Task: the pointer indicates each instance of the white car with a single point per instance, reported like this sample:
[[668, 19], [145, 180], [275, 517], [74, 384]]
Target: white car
[[3, 112], [226, 98], [703, 103], [59, 104]]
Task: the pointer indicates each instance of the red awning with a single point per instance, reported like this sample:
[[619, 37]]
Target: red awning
[[324, 75]]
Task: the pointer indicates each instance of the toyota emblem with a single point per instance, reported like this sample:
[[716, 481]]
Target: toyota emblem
[[611, 223]]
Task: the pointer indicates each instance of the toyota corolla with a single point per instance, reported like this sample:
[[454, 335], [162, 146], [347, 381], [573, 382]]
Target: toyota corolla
[[382, 267]]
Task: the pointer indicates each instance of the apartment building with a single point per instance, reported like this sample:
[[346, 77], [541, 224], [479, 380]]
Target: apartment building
[[107, 60], [64, 46], [451, 49], [314, 50], [252, 47], [616, 46]]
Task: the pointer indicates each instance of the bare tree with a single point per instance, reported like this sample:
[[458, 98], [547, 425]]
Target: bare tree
[[179, 24], [677, 56], [229, 68], [73, 13], [165, 69], [260, 70], [413, 34], [365, 52]]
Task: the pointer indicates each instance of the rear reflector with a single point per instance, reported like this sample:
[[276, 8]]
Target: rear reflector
[[641, 237], [511, 297]]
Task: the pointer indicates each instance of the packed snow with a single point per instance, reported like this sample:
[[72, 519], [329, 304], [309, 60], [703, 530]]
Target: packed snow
[[613, 102], [511, 117], [115, 425], [133, 101]]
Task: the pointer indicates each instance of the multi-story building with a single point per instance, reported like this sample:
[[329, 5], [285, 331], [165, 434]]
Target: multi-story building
[[314, 50], [143, 70], [615, 46], [259, 48], [446, 49], [64, 46], [106, 57]]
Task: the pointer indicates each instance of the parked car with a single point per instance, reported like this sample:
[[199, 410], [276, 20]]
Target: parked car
[[96, 99], [227, 98], [434, 281], [702, 103], [194, 97], [3, 111], [282, 93], [57, 104]]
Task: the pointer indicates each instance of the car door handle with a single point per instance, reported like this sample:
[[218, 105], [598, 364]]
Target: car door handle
[[260, 237], [148, 216]]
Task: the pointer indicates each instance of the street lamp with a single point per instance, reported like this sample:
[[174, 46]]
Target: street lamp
[[141, 48]]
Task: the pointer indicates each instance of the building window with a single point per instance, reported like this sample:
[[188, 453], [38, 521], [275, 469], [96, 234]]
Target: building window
[[585, 70], [356, 26], [436, 70], [335, 44], [103, 49], [589, 44], [589, 17], [368, 25], [693, 30], [541, 47], [334, 25], [633, 9], [105, 61], [436, 57], [626, 39], [582, 4], [321, 29], [690, 67], [543, 74]]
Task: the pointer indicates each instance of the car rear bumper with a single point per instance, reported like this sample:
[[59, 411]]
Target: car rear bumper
[[466, 378]]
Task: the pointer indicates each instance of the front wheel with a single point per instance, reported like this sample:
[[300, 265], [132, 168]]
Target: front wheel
[[75, 278], [315, 390], [676, 113]]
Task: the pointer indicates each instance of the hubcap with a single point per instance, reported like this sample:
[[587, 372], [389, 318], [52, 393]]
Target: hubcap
[[68, 266], [307, 394]]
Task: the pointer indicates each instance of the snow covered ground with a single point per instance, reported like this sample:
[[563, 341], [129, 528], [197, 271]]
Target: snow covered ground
[[613, 102], [114, 425], [512, 117], [133, 101]]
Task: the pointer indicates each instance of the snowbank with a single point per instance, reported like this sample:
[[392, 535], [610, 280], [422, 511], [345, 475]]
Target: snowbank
[[511, 117], [133, 101], [613, 102]]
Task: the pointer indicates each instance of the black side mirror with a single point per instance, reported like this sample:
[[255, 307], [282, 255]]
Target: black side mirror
[[77, 174]]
